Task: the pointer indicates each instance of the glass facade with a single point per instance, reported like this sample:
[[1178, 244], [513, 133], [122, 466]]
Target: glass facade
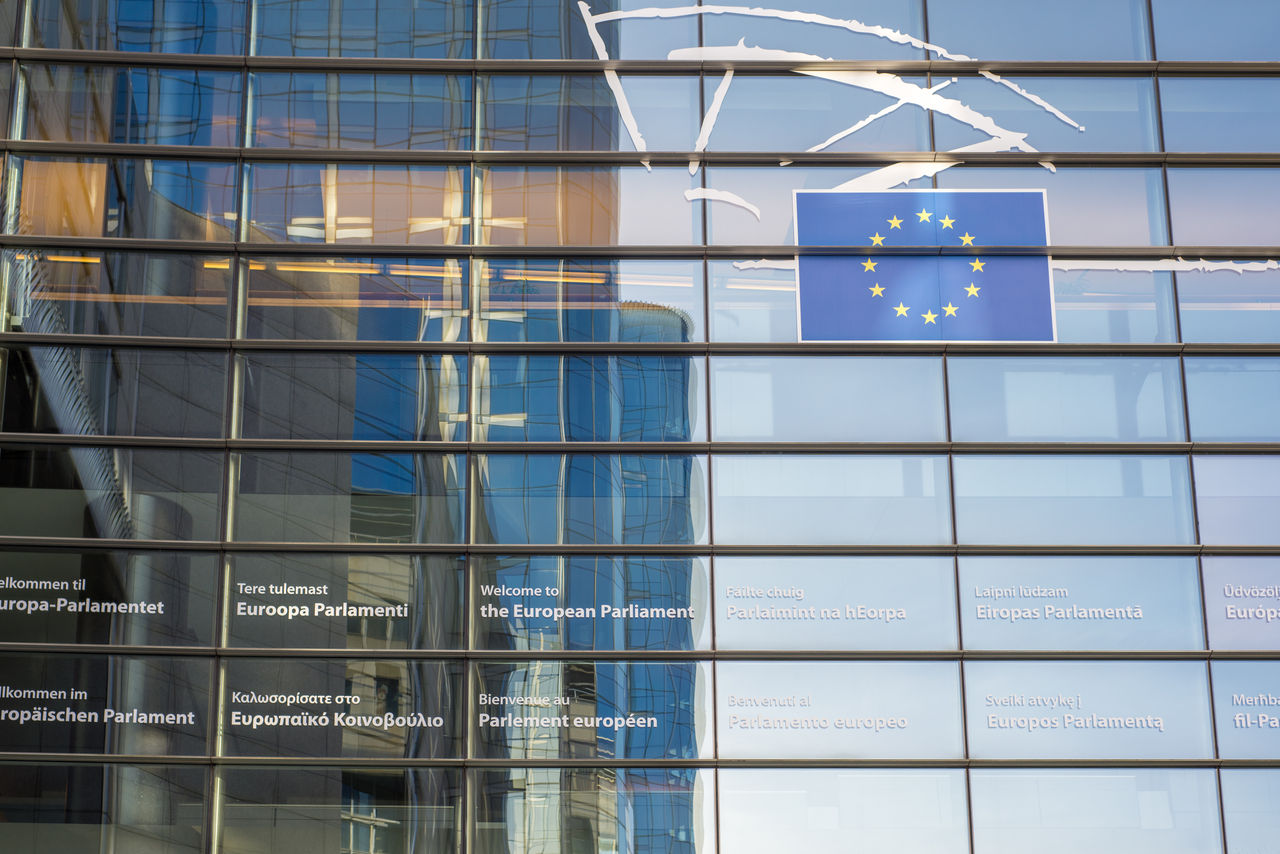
[[411, 443]]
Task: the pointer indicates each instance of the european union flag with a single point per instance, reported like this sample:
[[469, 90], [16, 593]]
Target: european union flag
[[928, 296]]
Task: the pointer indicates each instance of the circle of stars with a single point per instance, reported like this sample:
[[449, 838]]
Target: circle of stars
[[902, 310]]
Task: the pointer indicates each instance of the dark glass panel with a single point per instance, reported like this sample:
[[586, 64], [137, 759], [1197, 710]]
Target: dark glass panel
[[423, 29], [147, 26]]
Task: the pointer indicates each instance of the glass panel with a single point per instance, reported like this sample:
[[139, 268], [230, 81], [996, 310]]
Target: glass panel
[[829, 499], [1105, 811], [349, 810], [145, 105], [423, 29], [1221, 113], [551, 602], [370, 708], [861, 399], [116, 493], [1238, 304], [842, 29], [1233, 30], [593, 710], [753, 300], [1077, 603], [136, 598], [1120, 306], [838, 112], [150, 26], [357, 299], [1246, 702], [589, 300], [345, 601], [589, 399], [582, 112], [1096, 206], [1234, 399], [590, 498], [838, 710], [123, 705], [341, 498], [835, 603], [1242, 602], [1086, 710], [358, 203], [754, 205], [1238, 499], [364, 396], [1010, 29], [1088, 113], [79, 808], [543, 29], [823, 809], [1224, 207], [422, 112], [160, 199], [587, 206], [117, 293], [1249, 809], [1073, 500], [636, 810], [1028, 399]]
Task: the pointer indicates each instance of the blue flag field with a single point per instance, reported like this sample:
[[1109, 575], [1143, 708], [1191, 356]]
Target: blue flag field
[[929, 296]]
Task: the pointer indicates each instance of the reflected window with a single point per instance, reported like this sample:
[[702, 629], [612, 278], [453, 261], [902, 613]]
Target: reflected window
[[1238, 304], [148, 26], [1122, 306], [422, 29]]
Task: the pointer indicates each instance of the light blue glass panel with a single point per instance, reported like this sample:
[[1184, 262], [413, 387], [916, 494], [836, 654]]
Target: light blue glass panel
[[1238, 499], [1088, 710], [1118, 206], [839, 29], [1237, 304], [1100, 810], [424, 29], [550, 29], [763, 811], [1224, 207], [1078, 603], [1011, 29], [583, 299], [1234, 399], [1233, 30], [590, 498], [1030, 399], [800, 112], [838, 710], [584, 398], [753, 205], [1084, 113], [1242, 602], [1246, 703], [629, 602], [753, 303], [806, 603], [593, 710], [581, 112], [828, 499], [826, 399], [1073, 500], [1117, 306], [1249, 798], [1220, 113]]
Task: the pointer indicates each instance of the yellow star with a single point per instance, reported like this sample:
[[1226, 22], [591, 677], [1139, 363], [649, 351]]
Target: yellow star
[[895, 222], [949, 309], [977, 265], [972, 290], [966, 239], [876, 239], [924, 215], [877, 290], [868, 265], [930, 317], [901, 309], [947, 222]]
